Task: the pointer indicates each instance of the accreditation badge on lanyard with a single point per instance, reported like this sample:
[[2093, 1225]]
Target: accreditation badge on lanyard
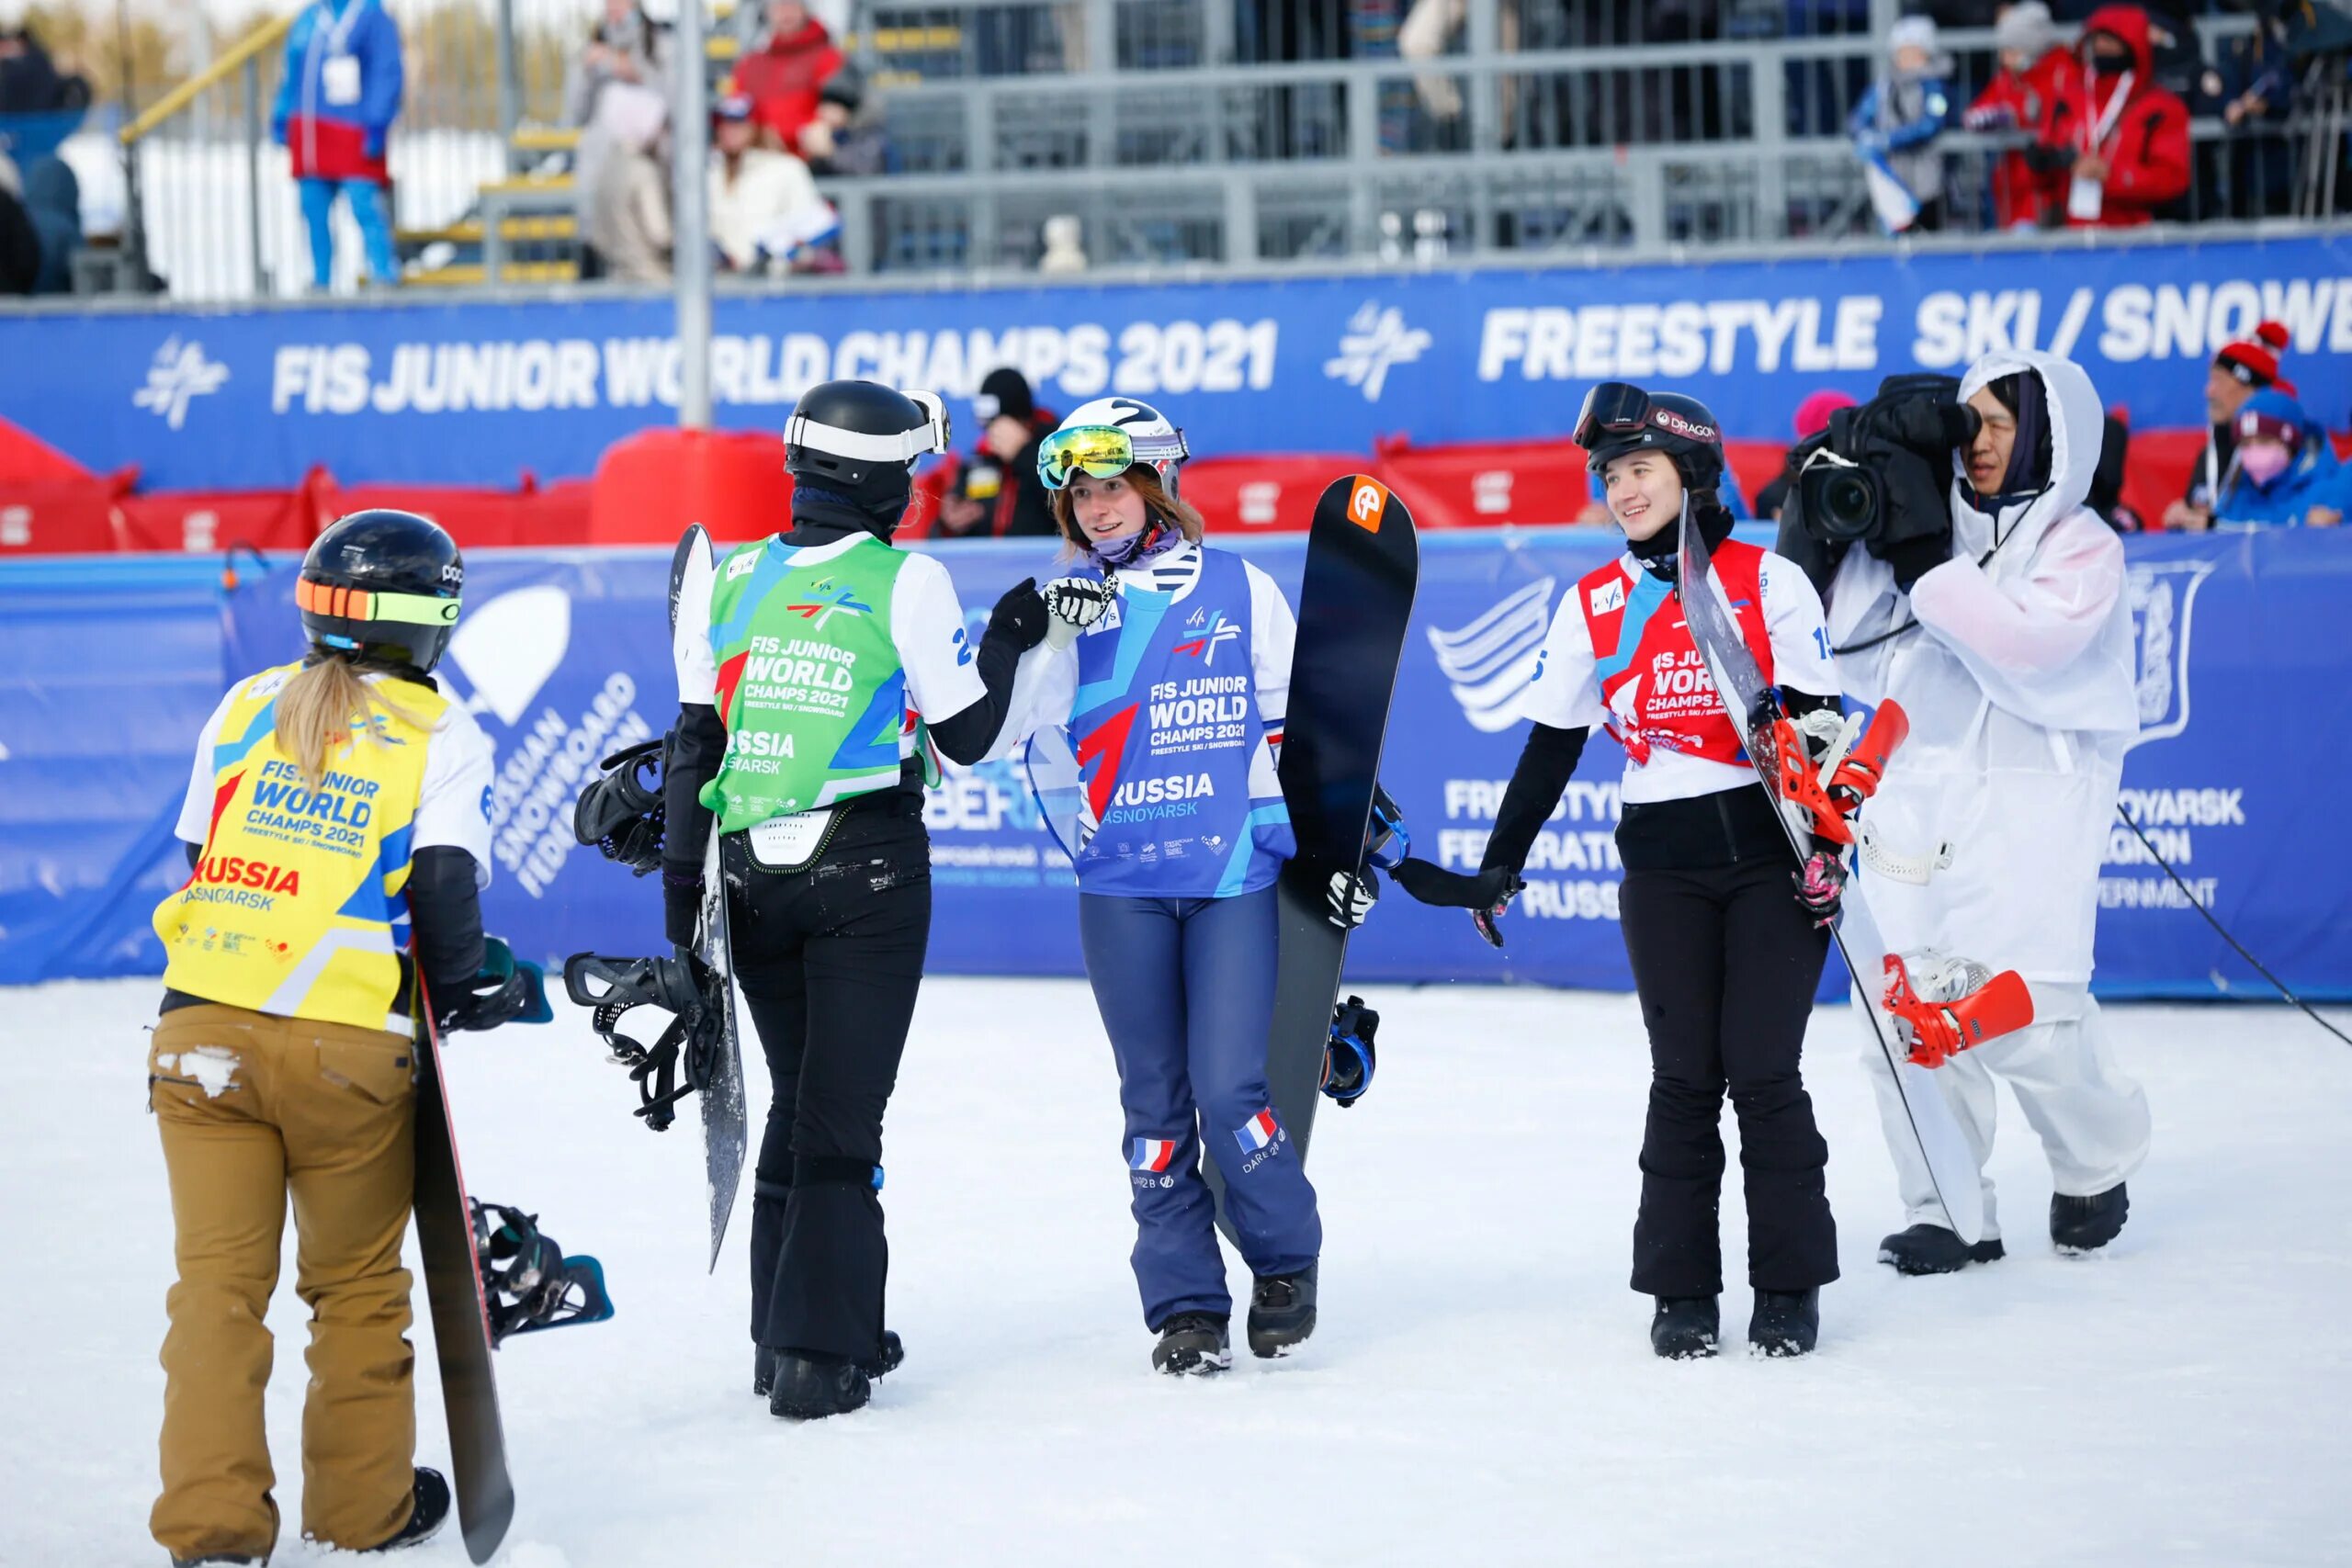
[[2086, 198], [339, 73]]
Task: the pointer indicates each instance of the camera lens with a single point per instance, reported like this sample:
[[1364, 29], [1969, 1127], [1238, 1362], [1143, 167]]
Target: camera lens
[[1840, 504]]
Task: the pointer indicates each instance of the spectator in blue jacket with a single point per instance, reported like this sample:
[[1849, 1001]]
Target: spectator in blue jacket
[[1896, 123], [334, 115], [2284, 471]]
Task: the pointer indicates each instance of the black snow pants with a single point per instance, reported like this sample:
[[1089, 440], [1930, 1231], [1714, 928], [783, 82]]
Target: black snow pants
[[1726, 962], [830, 958]]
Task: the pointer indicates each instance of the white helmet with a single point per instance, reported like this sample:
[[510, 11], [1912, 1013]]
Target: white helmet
[[1159, 445]]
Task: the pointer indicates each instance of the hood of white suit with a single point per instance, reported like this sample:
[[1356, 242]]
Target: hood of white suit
[[2077, 424]]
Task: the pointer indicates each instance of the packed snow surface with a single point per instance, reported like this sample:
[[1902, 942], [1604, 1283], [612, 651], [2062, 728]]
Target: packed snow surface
[[1480, 1389]]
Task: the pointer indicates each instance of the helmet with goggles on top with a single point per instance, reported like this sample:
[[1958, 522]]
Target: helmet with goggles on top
[[1107, 437]]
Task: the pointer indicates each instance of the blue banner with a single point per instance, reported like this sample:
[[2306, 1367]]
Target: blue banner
[[456, 393], [108, 670]]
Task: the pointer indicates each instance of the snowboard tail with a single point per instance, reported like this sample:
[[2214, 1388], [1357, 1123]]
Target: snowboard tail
[[1355, 599], [460, 1310]]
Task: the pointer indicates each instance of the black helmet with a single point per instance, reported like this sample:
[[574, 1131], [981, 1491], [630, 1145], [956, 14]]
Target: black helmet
[[1619, 417], [382, 584], [859, 440]]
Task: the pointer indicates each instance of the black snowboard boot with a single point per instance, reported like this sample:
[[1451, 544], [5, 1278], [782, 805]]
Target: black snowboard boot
[[809, 1387], [1932, 1249], [425, 1516], [1785, 1323], [2085, 1225], [1192, 1343], [764, 1363], [1281, 1311], [1684, 1329]]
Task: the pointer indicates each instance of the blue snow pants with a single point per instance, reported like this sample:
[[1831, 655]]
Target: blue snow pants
[[1186, 988]]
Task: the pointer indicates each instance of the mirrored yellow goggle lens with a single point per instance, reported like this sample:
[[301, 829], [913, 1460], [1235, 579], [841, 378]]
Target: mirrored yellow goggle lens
[[1101, 451]]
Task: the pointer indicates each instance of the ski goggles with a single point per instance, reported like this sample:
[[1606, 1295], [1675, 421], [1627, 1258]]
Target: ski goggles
[[933, 436], [1104, 451], [1613, 408], [364, 605]]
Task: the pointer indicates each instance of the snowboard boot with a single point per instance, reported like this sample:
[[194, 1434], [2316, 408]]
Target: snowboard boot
[[1684, 1329], [1785, 1323], [1932, 1249], [1281, 1311], [2080, 1225], [811, 1387], [886, 1360], [1193, 1344], [425, 1516]]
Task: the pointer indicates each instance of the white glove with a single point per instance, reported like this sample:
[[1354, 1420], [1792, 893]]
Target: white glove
[[1353, 894], [1072, 604]]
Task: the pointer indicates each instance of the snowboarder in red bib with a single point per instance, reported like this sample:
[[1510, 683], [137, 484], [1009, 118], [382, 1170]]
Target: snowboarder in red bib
[[1725, 952]]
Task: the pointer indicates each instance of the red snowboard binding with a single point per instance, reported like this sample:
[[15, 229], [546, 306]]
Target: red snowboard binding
[[1827, 798], [1966, 1006]]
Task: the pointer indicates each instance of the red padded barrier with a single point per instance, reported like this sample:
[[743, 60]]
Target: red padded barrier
[[1265, 495], [649, 486], [1473, 483], [61, 516]]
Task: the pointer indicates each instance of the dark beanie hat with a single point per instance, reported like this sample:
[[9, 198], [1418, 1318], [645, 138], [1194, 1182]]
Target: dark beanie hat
[[1004, 392]]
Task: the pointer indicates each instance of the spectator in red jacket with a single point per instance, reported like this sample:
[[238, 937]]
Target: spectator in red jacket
[[2119, 142], [2019, 98], [786, 77]]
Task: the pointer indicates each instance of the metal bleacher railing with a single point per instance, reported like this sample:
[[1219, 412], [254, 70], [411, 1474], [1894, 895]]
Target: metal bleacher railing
[[1193, 134]]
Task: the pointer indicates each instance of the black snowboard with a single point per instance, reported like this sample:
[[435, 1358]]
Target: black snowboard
[[724, 1139], [461, 1335], [1362, 564]]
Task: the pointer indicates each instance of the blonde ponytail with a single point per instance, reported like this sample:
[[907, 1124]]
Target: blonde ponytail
[[319, 706]]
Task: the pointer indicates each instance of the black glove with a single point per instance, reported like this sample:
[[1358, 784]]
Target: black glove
[[1486, 895], [503, 991], [1914, 559], [681, 907], [1020, 618]]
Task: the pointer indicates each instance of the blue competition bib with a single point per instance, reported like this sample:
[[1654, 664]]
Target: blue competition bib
[[1174, 794]]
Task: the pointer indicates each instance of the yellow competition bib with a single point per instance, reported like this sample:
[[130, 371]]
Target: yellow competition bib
[[298, 906]]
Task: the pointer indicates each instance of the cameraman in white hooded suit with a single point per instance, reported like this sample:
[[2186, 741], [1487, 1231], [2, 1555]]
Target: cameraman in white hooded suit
[[2010, 648]]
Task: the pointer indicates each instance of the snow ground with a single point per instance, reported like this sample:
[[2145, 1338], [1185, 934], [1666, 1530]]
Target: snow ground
[[1480, 1391]]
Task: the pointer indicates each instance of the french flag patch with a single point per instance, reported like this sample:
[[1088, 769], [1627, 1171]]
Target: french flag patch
[[1258, 1131], [1152, 1154]]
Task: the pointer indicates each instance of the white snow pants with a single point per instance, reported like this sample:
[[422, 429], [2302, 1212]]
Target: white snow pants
[[2092, 1119]]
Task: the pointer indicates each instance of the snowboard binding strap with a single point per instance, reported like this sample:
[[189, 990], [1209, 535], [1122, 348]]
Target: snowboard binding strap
[[1933, 1030], [1348, 1058], [527, 1283], [684, 986], [620, 813], [1823, 800]]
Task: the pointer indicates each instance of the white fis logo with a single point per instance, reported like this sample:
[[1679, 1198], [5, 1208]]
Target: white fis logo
[[1376, 339], [1490, 662], [179, 375]]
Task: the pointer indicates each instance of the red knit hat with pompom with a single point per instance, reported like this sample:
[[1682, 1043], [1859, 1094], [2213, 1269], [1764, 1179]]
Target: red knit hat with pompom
[[2254, 359]]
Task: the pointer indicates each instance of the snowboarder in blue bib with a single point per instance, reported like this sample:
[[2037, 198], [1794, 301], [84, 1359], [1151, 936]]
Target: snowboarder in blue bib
[[1153, 711]]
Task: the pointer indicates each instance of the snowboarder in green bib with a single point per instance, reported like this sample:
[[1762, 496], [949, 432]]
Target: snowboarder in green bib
[[818, 672]]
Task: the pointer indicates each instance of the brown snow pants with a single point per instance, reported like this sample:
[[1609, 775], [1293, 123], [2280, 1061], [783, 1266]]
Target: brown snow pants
[[254, 1108]]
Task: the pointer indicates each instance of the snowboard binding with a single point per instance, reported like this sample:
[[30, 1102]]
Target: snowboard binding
[[1957, 1004], [1348, 1060], [688, 1048], [1822, 798], [527, 1283], [620, 813]]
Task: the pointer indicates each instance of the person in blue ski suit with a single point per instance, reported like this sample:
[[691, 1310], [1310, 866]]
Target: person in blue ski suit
[[1153, 713], [2283, 471], [334, 115]]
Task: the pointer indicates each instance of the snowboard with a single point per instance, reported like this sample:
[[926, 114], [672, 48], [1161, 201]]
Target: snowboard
[[723, 1140], [461, 1325], [1951, 1164], [1362, 565]]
